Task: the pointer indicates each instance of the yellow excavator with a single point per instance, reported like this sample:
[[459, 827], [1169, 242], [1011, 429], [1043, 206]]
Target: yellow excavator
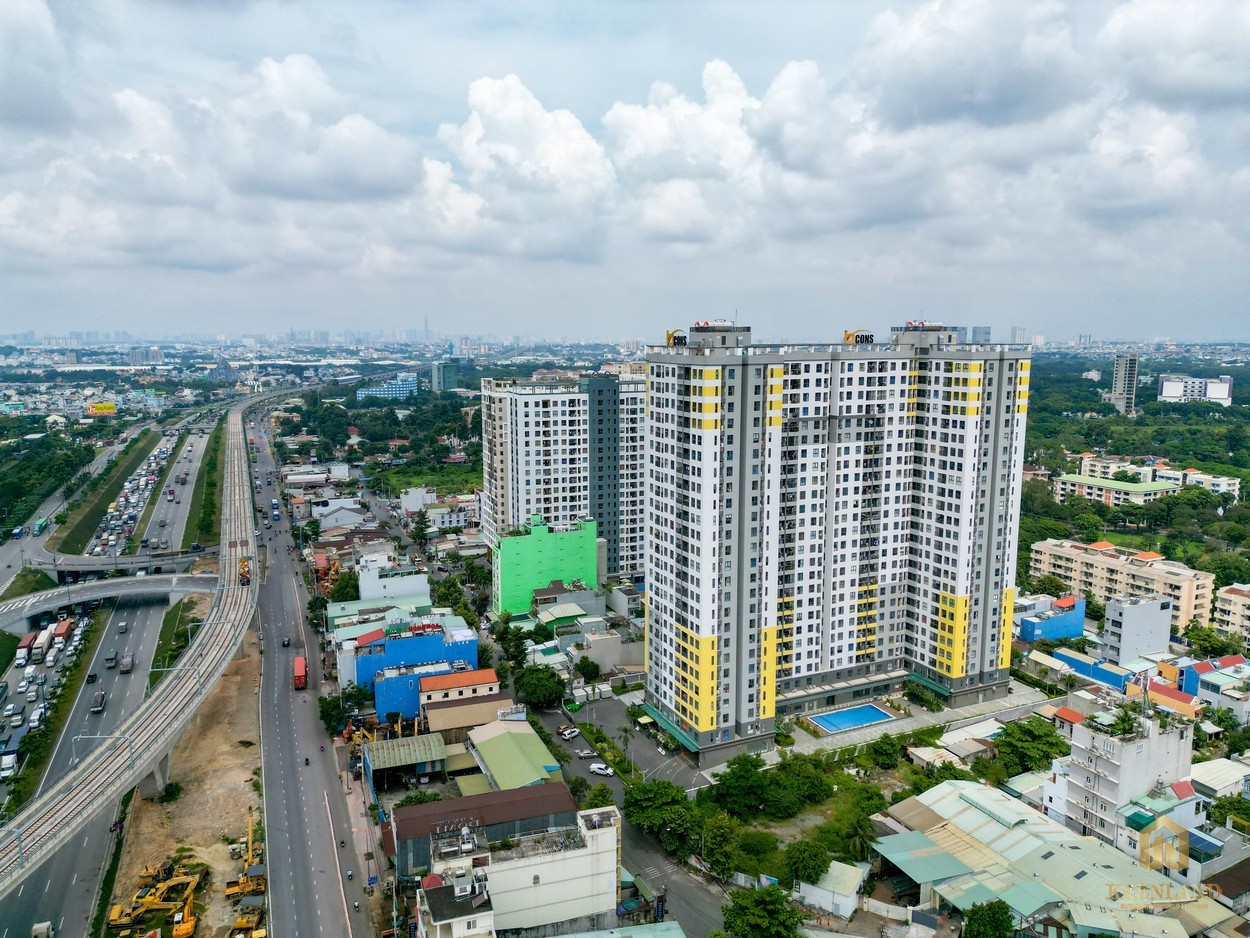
[[253, 879], [248, 922], [156, 898], [185, 921]]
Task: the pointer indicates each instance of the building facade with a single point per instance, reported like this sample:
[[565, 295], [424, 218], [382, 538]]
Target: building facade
[[1123, 393], [398, 388], [1136, 626], [826, 515], [1111, 492], [443, 376], [1110, 767], [1181, 389], [566, 450], [532, 559], [1103, 571], [1232, 610]]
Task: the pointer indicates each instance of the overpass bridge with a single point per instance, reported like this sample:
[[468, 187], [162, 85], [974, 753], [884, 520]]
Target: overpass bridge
[[141, 754], [15, 613], [165, 561]]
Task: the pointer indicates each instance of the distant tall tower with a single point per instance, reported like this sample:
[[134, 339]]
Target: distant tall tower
[[427, 327], [1019, 335], [980, 335], [1123, 393]]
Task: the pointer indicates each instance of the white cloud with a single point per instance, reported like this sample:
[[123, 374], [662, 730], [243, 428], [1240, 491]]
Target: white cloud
[[1196, 52], [32, 67]]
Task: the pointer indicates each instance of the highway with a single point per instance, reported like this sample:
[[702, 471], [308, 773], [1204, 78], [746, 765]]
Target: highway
[[60, 813], [84, 862], [305, 809], [81, 865]]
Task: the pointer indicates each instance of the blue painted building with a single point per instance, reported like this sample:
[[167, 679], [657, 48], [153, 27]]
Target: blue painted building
[[440, 638], [398, 690], [1104, 672], [1043, 617]]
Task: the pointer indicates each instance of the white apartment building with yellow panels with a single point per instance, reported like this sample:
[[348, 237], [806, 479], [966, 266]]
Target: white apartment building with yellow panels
[[825, 521]]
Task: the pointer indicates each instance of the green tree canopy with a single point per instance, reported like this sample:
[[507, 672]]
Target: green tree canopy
[[540, 685], [740, 789], [346, 588], [1028, 745], [721, 834], [1051, 585], [989, 920], [761, 913], [806, 861], [601, 796]]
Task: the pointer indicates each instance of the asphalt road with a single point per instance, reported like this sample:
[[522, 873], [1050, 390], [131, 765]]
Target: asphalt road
[[64, 889], [305, 808]]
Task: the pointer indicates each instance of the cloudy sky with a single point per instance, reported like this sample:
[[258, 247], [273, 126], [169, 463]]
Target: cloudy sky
[[610, 169]]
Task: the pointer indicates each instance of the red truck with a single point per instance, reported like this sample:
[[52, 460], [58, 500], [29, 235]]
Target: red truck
[[22, 657], [301, 674]]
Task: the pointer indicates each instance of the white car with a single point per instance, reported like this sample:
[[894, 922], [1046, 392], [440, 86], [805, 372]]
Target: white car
[[23, 687], [600, 768]]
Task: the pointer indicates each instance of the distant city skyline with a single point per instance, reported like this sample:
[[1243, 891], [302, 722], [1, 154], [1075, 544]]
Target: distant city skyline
[[567, 168]]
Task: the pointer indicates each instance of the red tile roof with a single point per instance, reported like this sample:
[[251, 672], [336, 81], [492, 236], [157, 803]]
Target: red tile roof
[[1066, 603], [458, 679], [1068, 714], [1101, 545], [1183, 789], [1203, 667], [1171, 693], [1229, 660], [370, 637], [1148, 555]]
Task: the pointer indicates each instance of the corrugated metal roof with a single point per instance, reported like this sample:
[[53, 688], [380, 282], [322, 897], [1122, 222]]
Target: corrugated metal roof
[[919, 857], [409, 750]]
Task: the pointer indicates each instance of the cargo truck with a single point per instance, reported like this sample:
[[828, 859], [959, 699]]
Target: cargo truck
[[39, 650], [22, 658], [301, 673]]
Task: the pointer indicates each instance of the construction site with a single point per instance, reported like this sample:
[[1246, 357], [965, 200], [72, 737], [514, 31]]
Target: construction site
[[212, 832]]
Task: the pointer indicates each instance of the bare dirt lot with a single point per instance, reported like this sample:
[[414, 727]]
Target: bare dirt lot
[[213, 763]]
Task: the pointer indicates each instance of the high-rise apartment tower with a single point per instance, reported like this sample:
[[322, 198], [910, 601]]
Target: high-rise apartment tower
[[565, 450], [1123, 393], [824, 522]]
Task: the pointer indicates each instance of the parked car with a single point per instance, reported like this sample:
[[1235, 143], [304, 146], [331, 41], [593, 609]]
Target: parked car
[[568, 731], [600, 768], [586, 753]]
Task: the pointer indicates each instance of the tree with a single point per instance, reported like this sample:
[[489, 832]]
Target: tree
[[721, 834], [646, 804], [761, 913], [1088, 526], [346, 589], [885, 751], [1051, 585], [1206, 642], [587, 669], [540, 685], [1028, 745], [806, 861], [312, 529], [861, 838], [485, 657], [740, 788], [420, 525], [625, 733], [578, 787], [989, 920], [601, 796], [417, 797]]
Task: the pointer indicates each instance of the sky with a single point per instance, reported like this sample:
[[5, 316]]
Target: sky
[[611, 170]]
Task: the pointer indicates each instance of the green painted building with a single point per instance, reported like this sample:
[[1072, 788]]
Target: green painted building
[[531, 560]]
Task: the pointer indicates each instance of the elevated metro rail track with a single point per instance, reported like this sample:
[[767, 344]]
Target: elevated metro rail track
[[150, 733]]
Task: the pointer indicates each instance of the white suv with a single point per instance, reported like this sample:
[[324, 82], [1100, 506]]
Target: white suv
[[599, 768]]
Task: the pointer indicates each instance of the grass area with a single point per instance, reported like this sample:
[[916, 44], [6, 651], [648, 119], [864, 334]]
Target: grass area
[[1144, 541], [446, 480], [36, 746], [73, 536], [108, 884], [203, 507], [177, 629], [8, 650], [28, 580], [154, 497]]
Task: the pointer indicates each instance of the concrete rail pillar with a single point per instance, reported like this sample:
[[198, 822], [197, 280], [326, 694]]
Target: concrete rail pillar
[[152, 785]]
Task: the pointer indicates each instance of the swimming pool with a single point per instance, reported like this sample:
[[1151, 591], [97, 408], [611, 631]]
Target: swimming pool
[[851, 718]]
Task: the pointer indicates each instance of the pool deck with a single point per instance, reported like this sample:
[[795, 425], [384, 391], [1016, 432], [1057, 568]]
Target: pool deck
[[1023, 701]]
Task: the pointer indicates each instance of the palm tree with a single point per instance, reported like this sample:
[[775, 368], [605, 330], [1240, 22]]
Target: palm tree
[[625, 733], [861, 838]]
